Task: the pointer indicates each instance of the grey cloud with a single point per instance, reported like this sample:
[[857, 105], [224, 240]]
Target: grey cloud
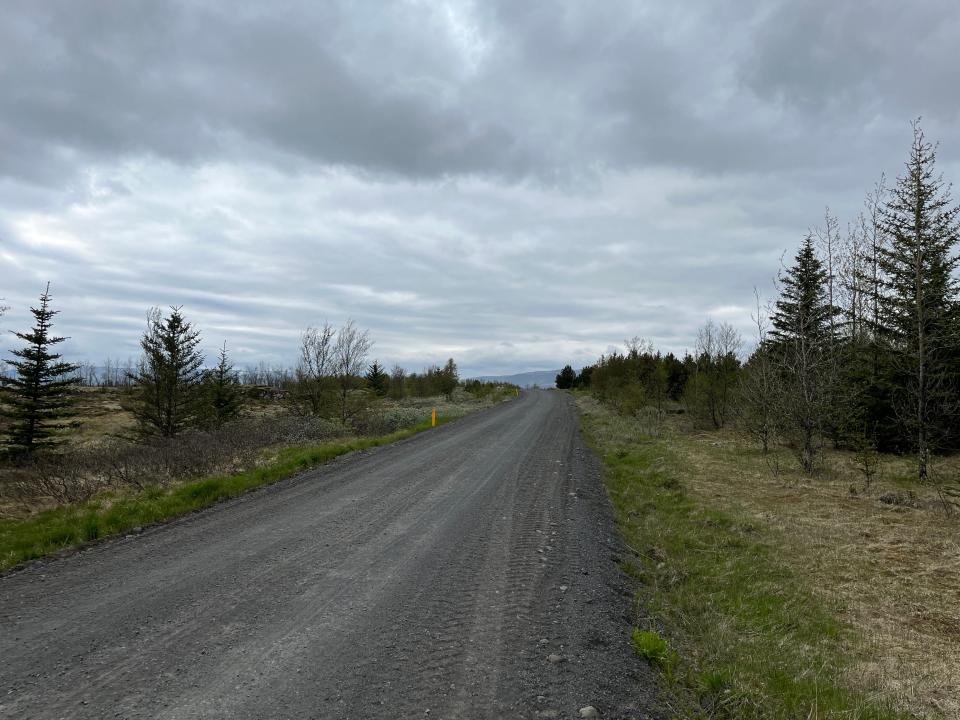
[[843, 57], [548, 90], [184, 82], [517, 183]]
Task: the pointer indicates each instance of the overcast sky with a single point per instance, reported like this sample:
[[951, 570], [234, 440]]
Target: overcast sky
[[518, 185]]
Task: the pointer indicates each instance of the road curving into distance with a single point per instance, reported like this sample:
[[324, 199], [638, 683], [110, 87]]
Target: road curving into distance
[[468, 572]]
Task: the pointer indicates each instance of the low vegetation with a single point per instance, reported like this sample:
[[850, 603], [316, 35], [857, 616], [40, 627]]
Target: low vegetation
[[94, 487], [114, 511], [765, 593], [860, 350], [792, 514], [86, 453]]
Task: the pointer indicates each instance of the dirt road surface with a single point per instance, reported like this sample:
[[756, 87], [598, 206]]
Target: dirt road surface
[[469, 572]]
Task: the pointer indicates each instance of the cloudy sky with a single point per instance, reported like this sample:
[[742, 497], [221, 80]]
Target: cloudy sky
[[516, 184]]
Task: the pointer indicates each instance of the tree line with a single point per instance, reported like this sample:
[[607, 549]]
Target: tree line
[[861, 348], [116, 373], [170, 389]]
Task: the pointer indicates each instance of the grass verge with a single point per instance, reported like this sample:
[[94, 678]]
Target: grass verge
[[72, 526], [735, 631]]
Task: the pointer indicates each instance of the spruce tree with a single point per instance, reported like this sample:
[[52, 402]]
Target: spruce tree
[[802, 348], [583, 378], [222, 391], [449, 378], [566, 378], [377, 379], [169, 375], [39, 392], [918, 310], [803, 312]]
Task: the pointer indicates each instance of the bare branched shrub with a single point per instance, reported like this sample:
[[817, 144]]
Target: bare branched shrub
[[76, 475], [948, 490], [313, 391], [759, 387], [58, 478], [350, 353], [329, 376], [949, 496], [773, 465], [710, 391]]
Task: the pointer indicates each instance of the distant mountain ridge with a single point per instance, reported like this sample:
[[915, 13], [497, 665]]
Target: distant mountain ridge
[[542, 378]]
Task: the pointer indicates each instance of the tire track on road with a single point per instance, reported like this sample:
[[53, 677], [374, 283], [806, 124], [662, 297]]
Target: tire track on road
[[421, 576]]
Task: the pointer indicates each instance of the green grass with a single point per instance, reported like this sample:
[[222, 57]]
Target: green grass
[[740, 636], [72, 526], [653, 648]]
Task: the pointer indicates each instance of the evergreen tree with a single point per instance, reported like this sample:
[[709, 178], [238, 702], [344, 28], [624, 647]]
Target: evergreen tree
[[918, 309], [169, 375], [802, 347], [566, 378], [377, 379], [449, 378], [39, 392], [803, 312], [583, 378], [676, 376], [222, 391]]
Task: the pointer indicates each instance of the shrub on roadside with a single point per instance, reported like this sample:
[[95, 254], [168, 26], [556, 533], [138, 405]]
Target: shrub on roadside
[[79, 474]]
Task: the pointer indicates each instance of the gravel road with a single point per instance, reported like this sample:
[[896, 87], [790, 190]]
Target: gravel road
[[468, 572]]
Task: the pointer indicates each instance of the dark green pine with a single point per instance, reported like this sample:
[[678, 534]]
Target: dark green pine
[[918, 263], [919, 310], [377, 379], [803, 311], [39, 392], [223, 391], [170, 375]]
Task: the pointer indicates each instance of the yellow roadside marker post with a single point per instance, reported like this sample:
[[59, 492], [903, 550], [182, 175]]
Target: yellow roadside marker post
[[433, 418]]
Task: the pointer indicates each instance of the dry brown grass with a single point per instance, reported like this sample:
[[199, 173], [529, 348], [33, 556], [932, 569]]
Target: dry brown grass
[[98, 444], [892, 569], [97, 413]]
